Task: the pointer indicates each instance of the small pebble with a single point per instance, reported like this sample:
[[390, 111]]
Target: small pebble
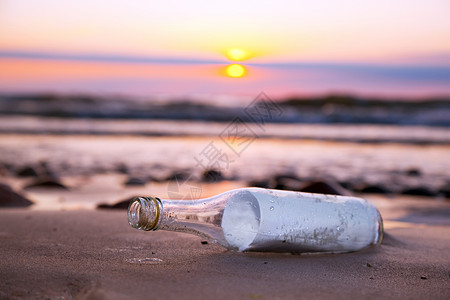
[[423, 277], [135, 181], [47, 183], [27, 171], [204, 242], [146, 260], [369, 265], [413, 172], [212, 176]]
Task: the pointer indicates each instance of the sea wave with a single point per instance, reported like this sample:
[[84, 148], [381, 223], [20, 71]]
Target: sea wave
[[334, 109], [358, 133]]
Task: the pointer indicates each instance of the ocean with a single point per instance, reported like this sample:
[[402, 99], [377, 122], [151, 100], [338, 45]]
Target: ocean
[[385, 146], [169, 78]]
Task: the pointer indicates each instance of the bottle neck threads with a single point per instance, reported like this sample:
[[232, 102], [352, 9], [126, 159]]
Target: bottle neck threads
[[145, 213]]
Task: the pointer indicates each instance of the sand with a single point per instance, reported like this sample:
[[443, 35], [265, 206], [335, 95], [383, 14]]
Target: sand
[[385, 164], [95, 254], [63, 248]]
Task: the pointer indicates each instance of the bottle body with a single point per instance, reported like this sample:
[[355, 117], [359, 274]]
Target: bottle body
[[255, 219]]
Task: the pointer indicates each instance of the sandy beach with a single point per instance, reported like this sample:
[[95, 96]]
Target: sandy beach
[[105, 101], [86, 254], [64, 247]]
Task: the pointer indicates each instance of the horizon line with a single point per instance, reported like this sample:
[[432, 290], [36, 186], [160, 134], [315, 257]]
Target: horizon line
[[141, 59]]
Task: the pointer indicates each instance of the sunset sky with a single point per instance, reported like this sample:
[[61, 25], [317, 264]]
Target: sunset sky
[[413, 33]]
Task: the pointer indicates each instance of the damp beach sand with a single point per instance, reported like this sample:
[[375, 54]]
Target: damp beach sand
[[95, 254], [63, 247]]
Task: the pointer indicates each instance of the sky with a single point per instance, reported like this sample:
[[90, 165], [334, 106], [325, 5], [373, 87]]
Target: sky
[[414, 33]]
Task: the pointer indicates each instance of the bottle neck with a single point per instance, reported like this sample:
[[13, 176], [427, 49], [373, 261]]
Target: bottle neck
[[202, 217], [179, 212]]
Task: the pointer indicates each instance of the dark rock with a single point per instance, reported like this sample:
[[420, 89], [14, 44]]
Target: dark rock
[[52, 183], [179, 176], [260, 183], [289, 184], [212, 176], [27, 171], [346, 185], [413, 172], [355, 185], [293, 183], [39, 170], [9, 198], [122, 204], [285, 176], [423, 277], [122, 169], [280, 182], [324, 187], [136, 181], [204, 242], [369, 265], [285, 182], [419, 191], [374, 189], [445, 191], [156, 178]]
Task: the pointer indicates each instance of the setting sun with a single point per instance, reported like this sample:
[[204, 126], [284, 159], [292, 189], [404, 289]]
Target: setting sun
[[237, 54], [236, 70]]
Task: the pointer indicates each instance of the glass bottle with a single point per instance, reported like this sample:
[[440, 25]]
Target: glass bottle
[[256, 219]]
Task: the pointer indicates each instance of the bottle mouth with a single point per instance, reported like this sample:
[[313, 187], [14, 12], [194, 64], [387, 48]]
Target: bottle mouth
[[144, 213]]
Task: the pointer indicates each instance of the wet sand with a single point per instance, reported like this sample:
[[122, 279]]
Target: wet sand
[[95, 254], [386, 165], [64, 248]]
